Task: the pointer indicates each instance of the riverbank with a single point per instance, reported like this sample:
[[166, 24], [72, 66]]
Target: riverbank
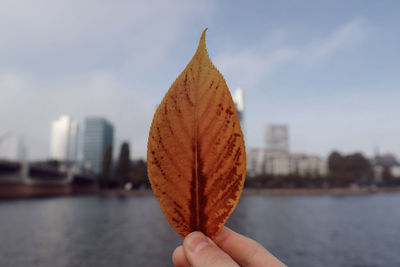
[[320, 191], [283, 191], [19, 191], [16, 191]]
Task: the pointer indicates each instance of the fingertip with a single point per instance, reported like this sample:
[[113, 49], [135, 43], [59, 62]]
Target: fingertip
[[195, 241], [223, 235], [177, 254], [225, 230], [202, 251], [179, 259], [244, 250]]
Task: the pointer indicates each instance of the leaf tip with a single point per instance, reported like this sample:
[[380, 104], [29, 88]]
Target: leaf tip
[[203, 35], [202, 43]]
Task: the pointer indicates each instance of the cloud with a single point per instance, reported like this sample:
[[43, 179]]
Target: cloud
[[248, 67], [350, 33], [133, 34]]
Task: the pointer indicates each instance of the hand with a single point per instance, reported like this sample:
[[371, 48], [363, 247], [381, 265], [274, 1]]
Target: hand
[[227, 250]]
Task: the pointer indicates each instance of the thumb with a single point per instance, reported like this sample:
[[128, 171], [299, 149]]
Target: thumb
[[201, 251]]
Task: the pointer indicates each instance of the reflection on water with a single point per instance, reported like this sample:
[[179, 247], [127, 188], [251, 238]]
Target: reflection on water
[[132, 231]]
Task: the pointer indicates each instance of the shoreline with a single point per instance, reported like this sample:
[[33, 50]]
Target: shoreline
[[19, 191], [278, 191], [318, 191], [14, 191]]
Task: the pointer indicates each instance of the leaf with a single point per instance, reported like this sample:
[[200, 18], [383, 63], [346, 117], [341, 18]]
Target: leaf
[[196, 154]]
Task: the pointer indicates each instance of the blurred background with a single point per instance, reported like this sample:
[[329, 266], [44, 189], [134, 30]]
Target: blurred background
[[316, 87]]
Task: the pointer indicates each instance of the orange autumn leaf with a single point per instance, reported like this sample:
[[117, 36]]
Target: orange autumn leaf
[[196, 154]]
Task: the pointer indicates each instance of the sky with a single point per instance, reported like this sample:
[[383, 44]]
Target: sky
[[330, 70]]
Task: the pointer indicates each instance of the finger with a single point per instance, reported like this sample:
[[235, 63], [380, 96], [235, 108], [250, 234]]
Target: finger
[[179, 258], [245, 251], [201, 252]]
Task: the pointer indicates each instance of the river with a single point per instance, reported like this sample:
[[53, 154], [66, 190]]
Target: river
[[354, 230]]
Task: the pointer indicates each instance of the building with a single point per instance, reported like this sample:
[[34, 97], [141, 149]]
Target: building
[[308, 165], [395, 171], [276, 162], [253, 162], [276, 153], [382, 162], [279, 161], [277, 138], [238, 100], [64, 139], [98, 135], [384, 159]]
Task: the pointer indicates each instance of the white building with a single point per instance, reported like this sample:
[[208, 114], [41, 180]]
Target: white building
[[277, 138], [276, 153], [276, 162], [308, 165], [395, 171], [281, 163], [238, 100], [64, 139]]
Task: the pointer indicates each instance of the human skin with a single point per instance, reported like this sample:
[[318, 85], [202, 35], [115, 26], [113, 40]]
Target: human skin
[[228, 249]]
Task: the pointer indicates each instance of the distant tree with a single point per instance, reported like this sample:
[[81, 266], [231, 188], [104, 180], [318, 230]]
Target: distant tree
[[123, 165], [386, 175], [139, 174], [358, 167], [348, 169], [106, 167], [335, 163]]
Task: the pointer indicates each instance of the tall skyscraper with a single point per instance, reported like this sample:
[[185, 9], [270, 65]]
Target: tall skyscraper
[[276, 152], [238, 100], [98, 135], [277, 138], [64, 139]]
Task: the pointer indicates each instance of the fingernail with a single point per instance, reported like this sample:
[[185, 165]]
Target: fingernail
[[197, 241]]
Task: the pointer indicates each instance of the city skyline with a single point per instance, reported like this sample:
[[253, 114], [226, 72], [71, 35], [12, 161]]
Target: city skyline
[[329, 72]]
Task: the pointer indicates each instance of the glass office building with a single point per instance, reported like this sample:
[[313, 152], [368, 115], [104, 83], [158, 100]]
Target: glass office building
[[98, 135]]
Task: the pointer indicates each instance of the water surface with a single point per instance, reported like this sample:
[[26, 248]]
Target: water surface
[[362, 230]]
